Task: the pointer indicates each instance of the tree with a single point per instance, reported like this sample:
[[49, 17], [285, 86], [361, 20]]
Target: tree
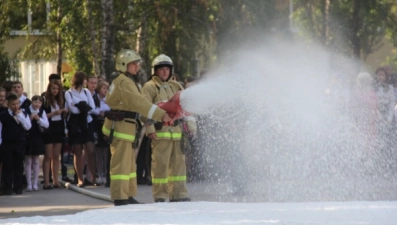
[[391, 32], [59, 39], [107, 36], [87, 34], [358, 26], [237, 21], [7, 67], [179, 29]]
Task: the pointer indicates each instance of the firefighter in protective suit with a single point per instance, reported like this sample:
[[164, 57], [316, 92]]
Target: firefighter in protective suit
[[127, 104], [168, 160]]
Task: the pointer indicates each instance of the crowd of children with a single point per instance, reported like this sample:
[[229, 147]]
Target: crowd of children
[[43, 125]]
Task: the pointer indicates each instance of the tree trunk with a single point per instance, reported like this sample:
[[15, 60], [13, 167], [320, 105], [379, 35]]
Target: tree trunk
[[141, 48], [93, 32], [325, 30], [311, 19], [59, 40], [107, 38], [355, 28]]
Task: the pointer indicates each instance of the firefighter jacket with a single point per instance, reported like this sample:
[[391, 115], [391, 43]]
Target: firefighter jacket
[[125, 95], [157, 91]]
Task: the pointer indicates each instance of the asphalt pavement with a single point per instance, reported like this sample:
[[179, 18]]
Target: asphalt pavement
[[72, 199]]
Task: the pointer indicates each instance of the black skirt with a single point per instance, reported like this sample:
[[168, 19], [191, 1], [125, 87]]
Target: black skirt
[[34, 145], [55, 133], [83, 137]]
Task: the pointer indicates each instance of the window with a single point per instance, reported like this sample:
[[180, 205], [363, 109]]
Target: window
[[17, 14], [23, 18], [39, 18]]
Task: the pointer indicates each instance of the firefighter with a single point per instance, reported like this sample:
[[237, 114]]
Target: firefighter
[[168, 160], [121, 124]]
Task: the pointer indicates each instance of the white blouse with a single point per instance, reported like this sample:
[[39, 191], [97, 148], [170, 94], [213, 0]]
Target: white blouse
[[56, 117], [103, 107], [72, 97], [43, 121]]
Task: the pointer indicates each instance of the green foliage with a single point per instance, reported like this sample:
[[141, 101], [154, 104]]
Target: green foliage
[[12, 16], [8, 67], [180, 30], [67, 80], [190, 32], [237, 21], [75, 36], [364, 30]]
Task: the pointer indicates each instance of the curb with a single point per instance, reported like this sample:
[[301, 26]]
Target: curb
[[86, 192]]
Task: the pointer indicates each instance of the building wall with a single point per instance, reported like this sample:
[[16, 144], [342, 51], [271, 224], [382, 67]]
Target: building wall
[[34, 73], [34, 76]]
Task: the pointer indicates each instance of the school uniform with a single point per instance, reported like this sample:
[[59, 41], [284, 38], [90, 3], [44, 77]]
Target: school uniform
[[24, 102], [13, 142], [2, 108], [35, 144], [102, 107], [34, 147], [79, 125], [56, 130]]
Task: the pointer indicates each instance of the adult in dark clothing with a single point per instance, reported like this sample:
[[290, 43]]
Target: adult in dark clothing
[[143, 162], [13, 125]]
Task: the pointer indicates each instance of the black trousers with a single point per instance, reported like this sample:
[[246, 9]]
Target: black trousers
[[64, 169], [144, 160], [13, 155]]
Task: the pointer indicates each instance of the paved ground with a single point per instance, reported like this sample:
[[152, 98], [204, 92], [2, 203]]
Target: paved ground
[[73, 200], [66, 201], [47, 202], [60, 201]]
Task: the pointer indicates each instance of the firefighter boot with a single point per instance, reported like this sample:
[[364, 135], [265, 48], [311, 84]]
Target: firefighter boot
[[132, 200], [121, 202], [180, 200]]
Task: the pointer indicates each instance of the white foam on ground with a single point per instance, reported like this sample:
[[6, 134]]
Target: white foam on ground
[[330, 213]]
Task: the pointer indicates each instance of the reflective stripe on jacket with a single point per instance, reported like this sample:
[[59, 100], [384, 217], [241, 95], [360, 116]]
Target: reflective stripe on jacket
[[156, 91], [124, 94]]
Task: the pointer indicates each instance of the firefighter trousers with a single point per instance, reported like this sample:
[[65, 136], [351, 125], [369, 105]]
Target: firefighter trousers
[[122, 170], [168, 170]]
